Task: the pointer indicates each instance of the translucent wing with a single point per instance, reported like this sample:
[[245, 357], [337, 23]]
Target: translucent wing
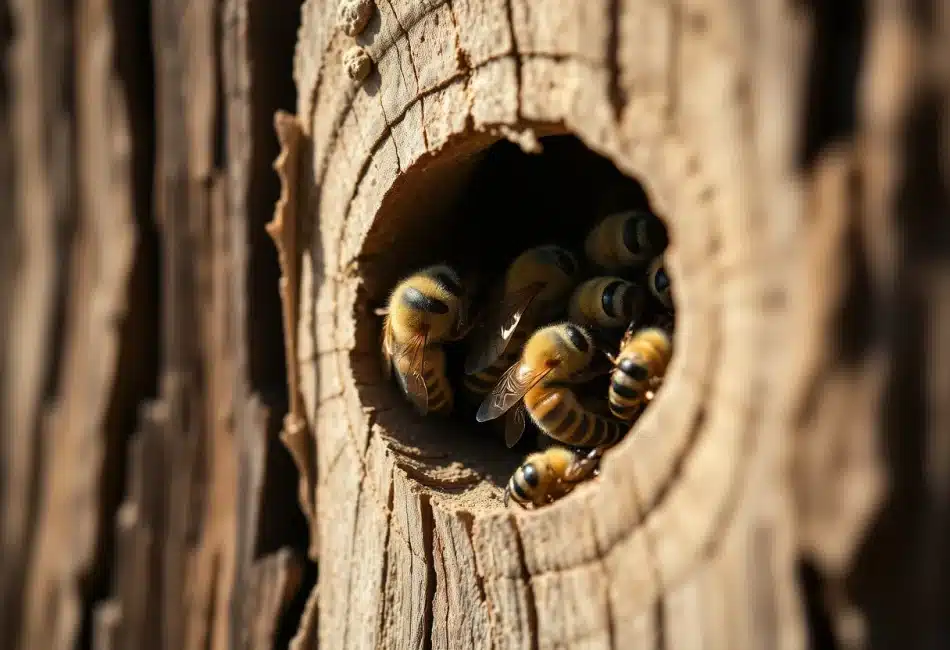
[[411, 378], [512, 386], [491, 337], [514, 425]]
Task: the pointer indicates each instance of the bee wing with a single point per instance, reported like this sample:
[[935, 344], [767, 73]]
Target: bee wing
[[491, 337], [514, 425], [509, 390], [411, 380]]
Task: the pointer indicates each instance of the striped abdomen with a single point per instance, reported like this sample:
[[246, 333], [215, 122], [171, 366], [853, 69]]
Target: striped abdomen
[[480, 384], [557, 412], [643, 358], [439, 390]]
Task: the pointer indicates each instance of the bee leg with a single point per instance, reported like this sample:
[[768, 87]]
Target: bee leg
[[507, 495], [381, 311], [581, 470]]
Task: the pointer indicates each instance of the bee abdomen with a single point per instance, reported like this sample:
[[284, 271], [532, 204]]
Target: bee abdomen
[[625, 395], [481, 383], [441, 398], [600, 431]]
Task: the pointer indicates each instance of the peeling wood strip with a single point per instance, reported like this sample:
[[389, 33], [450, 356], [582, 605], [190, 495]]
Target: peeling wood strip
[[284, 230]]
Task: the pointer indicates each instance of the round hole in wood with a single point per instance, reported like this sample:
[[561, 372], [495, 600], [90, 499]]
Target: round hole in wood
[[475, 205]]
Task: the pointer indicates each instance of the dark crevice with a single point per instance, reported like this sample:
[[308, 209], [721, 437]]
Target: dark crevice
[[270, 40], [510, 21], [615, 88], [212, 602], [659, 616], [855, 329], [385, 565], [902, 570], [289, 621], [428, 534], [468, 520], [280, 520], [821, 635], [837, 49], [136, 372]]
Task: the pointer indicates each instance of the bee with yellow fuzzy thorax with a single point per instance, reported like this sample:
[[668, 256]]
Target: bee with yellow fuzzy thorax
[[554, 356], [425, 310], [535, 287], [548, 475], [639, 368]]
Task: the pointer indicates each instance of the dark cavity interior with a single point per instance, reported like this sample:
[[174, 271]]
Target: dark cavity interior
[[476, 206]]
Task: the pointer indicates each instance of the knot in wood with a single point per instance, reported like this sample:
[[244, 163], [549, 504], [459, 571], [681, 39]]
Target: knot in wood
[[357, 63], [353, 16]]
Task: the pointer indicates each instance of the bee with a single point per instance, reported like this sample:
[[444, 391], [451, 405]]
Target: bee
[[554, 356], [535, 286], [659, 282], [548, 475], [606, 302], [425, 310], [626, 239], [480, 384], [638, 368]]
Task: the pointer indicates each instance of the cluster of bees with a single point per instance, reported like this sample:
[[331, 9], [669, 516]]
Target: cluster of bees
[[580, 357]]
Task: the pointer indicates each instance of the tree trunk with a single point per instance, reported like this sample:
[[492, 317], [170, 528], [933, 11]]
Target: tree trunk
[[769, 453], [787, 486], [141, 397]]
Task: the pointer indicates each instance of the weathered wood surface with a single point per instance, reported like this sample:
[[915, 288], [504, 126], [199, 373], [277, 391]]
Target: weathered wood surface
[[146, 499], [799, 151], [796, 149]]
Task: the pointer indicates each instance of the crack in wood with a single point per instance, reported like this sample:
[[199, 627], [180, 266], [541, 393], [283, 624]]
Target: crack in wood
[[616, 91], [515, 52], [529, 588], [428, 542]]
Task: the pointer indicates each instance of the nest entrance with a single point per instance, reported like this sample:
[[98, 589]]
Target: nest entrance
[[475, 207]]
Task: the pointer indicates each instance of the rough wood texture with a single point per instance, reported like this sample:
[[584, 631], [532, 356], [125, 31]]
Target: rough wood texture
[[182, 514], [810, 288]]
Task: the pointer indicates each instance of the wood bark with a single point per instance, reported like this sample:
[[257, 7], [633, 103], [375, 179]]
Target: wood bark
[[798, 152], [146, 499], [788, 486]]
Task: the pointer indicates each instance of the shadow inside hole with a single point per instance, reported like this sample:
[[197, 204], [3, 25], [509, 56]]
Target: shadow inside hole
[[476, 207]]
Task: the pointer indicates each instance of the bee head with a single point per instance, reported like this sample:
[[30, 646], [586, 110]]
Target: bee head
[[659, 280], [551, 265], [564, 349], [644, 234], [558, 257]]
